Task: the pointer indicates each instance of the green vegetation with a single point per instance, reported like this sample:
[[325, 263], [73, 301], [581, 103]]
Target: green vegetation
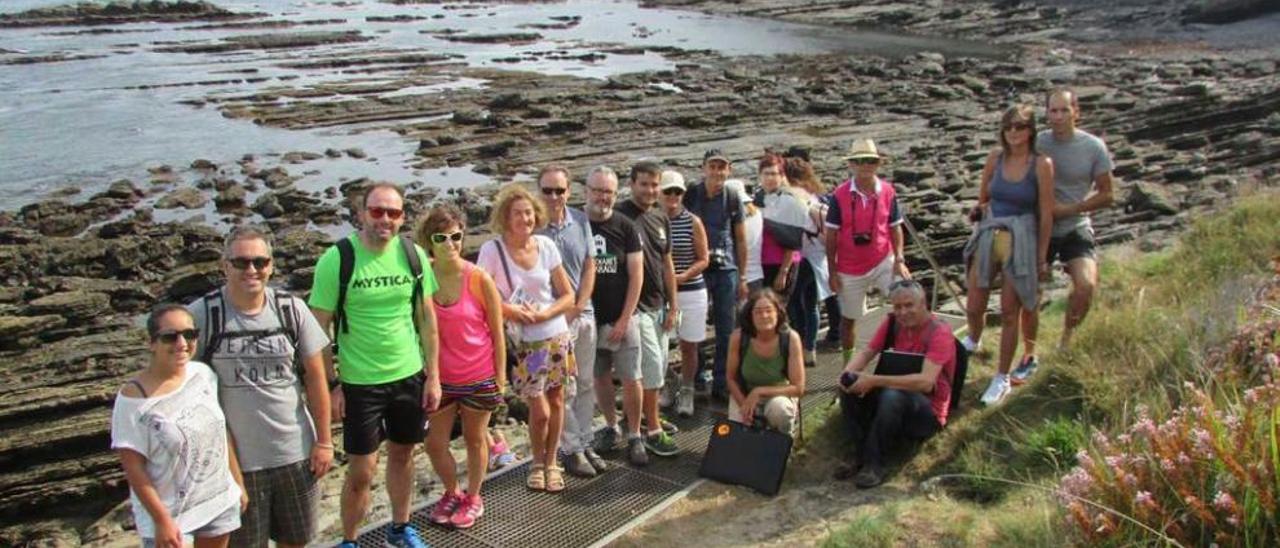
[[1184, 339]]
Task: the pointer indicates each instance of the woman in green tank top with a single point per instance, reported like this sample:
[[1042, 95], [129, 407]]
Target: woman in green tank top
[[765, 372]]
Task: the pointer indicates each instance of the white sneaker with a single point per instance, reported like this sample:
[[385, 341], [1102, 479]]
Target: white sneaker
[[997, 390], [684, 403], [667, 396], [969, 344]]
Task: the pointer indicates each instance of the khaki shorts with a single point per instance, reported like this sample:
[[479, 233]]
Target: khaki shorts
[[853, 289], [779, 412]]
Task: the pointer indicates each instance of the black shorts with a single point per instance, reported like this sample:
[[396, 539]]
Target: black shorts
[[1077, 244], [391, 411]]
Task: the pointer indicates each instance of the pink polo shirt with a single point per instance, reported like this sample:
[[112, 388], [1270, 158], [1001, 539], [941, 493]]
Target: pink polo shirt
[[853, 212]]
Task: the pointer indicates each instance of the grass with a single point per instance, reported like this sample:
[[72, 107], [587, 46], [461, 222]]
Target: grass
[[1153, 322]]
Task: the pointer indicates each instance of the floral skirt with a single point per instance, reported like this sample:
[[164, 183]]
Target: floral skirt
[[543, 365]]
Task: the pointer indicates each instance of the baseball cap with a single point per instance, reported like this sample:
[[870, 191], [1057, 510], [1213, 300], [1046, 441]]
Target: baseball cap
[[671, 179], [714, 154]]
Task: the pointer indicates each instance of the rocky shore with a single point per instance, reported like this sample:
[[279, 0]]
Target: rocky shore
[[1187, 128], [122, 12]]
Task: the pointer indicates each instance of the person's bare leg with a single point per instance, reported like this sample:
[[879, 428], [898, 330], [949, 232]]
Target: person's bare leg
[[555, 422], [438, 447], [846, 335], [688, 362], [1084, 280], [539, 415], [474, 425], [651, 409], [219, 541], [400, 480], [632, 401], [1030, 322], [355, 492], [975, 308], [1010, 313], [605, 398]]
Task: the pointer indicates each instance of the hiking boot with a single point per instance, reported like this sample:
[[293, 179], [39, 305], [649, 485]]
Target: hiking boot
[[996, 391], [684, 404], [443, 511], [578, 465], [636, 453], [661, 444], [870, 476], [608, 441], [1023, 372], [667, 396], [597, 462], [470, 510], [405, 538]]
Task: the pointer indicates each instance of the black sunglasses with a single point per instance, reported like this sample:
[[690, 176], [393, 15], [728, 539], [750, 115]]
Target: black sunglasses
[[440, 237], [904, 283], [673, 191], [555, 191], [242, 263], [1017, 126], [170, 337], [865, 161]]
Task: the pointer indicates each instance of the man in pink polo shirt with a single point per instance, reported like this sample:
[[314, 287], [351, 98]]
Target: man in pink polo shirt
[[864, 238]]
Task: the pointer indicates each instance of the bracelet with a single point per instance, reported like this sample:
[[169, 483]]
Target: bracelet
[[324, 445]]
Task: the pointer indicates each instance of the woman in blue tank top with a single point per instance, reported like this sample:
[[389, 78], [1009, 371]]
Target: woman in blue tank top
[[1015, 205]]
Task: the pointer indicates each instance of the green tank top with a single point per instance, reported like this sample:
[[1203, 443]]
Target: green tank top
[[764, 371]]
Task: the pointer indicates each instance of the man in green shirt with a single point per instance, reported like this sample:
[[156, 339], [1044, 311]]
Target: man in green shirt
[[389, 376]]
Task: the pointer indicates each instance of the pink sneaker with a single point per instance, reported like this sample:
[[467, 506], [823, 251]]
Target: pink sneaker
[[468, 512], [444, 509]]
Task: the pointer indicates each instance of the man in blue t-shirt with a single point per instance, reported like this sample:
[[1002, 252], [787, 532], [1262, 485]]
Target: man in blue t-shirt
[[721, 212]]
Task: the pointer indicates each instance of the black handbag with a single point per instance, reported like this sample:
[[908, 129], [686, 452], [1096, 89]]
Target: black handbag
[[744, 455]]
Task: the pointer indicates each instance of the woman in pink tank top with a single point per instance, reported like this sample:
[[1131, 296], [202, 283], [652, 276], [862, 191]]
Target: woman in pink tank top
[[473, 360]]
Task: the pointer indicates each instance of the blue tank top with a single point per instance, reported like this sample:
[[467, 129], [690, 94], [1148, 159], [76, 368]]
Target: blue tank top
[[1010, 199]]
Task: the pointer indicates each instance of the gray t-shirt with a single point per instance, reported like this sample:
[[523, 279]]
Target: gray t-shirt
[[573, 237], [1076, 162], [259, 387]]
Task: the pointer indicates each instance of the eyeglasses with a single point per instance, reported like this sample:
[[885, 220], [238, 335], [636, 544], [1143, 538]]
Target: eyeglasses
[[554, 191], [602, 191], [170, 337], [440, 237], [378, 212], [242, 263], [864, 161], [1017, 126], [673, 191]]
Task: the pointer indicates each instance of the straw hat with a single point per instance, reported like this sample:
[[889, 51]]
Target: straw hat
[[863, 148]]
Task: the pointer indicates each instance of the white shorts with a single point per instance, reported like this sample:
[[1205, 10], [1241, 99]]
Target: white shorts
[[853, 289], [693, 315]]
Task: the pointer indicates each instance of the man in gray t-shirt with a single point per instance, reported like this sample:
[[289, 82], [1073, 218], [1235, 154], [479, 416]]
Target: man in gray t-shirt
[[266, 350], [1082, 183]]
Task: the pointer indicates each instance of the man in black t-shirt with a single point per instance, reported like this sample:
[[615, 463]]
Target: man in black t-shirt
[[616, 249], [657, 314]]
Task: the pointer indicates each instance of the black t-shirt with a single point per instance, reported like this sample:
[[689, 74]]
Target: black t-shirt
[[611, 241], [655, 230]]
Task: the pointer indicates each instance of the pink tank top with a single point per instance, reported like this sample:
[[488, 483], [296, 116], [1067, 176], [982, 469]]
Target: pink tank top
[[466, 344]]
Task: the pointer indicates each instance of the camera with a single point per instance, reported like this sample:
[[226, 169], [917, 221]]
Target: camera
[[717, 259], [848, 378], [862, 238]]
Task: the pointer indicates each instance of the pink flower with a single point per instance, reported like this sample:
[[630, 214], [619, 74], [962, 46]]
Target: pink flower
[[1144, 427], [1224, 503], [1166, 465], [1144, 498]]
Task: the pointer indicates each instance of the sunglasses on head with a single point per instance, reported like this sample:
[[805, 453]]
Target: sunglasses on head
[[378, 212], [673, 191], [903, 283], [554, 191], [440, 237], [864, 161], [170, 337], [1017, 126], [242, 263]]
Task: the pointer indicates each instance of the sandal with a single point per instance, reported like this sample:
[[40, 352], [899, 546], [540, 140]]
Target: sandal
[[555, 479], [537, 477]]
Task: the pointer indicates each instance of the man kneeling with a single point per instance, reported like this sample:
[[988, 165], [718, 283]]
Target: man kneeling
[[883, 409]]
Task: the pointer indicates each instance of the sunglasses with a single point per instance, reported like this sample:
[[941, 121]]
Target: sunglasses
[[170, 337], [554, 191], [242, 263], [440, 237], [378, 212], [673, 191], [904, 283], [1017, 126], [864, 161]]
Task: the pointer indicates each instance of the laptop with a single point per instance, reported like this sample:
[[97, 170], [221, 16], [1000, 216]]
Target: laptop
[[899, 363]]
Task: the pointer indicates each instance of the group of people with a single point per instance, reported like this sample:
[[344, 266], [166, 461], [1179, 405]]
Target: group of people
[[225, 433]]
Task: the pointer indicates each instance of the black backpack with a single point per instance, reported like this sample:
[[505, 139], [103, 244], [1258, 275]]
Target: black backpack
[[215, 319], [962, 363], [346, 268]]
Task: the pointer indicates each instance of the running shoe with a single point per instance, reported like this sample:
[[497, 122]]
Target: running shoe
[[500, 456], [468, 512], [443, 511], [661, 444], [684, 405], [348, 544], [1023, 372], [667, 396], [636, 452], [405, 538], [996, 391], [608, 440]]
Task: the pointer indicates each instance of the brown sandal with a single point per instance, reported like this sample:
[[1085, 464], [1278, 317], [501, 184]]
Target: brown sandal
[[555, 479], [537, 477]]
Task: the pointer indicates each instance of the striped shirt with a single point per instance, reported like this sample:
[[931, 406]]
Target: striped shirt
[[682, 249]]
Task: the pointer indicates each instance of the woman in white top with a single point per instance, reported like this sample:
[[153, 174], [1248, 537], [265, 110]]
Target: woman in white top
[[536, 293], [172, 439], [753, 225]]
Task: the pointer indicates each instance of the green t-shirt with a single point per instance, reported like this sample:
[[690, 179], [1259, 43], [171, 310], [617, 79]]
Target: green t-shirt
[[381, 345], [760, 371]]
